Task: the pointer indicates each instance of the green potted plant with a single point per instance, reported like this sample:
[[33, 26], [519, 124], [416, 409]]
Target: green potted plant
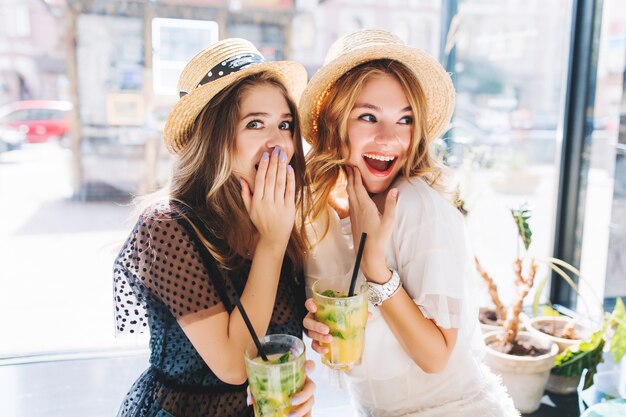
[[522, 359], [588, 353], [578, 342], [580, 339], [570, 335]]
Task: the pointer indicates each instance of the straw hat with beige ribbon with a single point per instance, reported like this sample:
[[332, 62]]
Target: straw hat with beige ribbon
[[211, 71], [367, 45]]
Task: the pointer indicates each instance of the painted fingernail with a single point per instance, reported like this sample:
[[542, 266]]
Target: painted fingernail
[[276, 150], [308, 370], [292, 414], [394, 193], [283, 156], [289, 169], [295, 400], [249, 400], [265, 156]]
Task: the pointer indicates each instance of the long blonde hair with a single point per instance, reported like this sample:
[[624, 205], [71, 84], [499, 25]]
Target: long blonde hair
[[325, 163], [203, 179]]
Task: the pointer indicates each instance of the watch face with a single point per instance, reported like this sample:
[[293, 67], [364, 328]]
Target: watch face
[[374, 296]]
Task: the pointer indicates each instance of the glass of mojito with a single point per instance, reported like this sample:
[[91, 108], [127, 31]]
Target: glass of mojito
[[346, 317], [273, 383]]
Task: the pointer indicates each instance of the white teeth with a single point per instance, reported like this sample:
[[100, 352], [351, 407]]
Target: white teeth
[[379, 157]]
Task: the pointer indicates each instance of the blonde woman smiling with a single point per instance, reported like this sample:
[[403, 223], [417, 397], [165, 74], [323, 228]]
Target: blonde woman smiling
[[370, 114]]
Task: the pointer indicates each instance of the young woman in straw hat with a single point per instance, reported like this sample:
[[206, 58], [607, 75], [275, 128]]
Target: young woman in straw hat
[[225, 229], [370, 114]]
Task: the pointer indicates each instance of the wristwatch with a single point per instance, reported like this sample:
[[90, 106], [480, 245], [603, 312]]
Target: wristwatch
[[379, 293]]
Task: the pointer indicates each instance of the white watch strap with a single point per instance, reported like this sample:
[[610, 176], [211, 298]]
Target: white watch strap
[[386, 290]]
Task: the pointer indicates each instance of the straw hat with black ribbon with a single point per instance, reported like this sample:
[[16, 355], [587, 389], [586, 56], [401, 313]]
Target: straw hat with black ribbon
[[211, 71], [366, 45]]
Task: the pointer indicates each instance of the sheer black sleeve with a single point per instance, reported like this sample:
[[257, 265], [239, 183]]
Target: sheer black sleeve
[[159, 261]]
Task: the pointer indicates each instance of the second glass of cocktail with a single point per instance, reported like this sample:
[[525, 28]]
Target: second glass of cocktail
[[346, 318], [274, 382]]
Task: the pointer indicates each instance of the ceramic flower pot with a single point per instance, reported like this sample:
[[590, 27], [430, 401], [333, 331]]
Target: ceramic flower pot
[[558, 322], [556, 383], [524, 376]]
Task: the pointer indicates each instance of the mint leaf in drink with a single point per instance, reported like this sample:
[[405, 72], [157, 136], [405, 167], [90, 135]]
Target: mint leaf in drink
[[261, 384], [283, 359], [337, 333], [328, 293]]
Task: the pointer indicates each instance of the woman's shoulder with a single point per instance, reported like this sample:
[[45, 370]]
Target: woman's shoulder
[[163, 211], [159, 211], [160, 224], [152, 220], [416, 194]]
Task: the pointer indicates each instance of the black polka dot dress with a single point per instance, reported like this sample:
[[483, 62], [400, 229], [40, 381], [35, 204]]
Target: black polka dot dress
[[159, 277]]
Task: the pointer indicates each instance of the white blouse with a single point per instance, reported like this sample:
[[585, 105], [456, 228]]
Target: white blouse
[[430, 250]]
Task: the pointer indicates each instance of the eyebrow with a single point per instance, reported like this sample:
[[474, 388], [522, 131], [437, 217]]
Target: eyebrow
[[261, 114], [373, 107]]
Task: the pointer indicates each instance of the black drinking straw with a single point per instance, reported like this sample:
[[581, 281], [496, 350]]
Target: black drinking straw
[[357, 264], [246, 320]]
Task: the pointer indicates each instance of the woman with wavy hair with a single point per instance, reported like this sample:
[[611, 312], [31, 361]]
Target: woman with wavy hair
[[370, 114], [230, 226]]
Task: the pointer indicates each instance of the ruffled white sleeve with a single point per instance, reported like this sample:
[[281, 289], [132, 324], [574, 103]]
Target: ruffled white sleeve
[[432, 254]]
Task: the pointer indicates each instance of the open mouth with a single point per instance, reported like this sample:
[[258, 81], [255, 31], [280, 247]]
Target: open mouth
[[380, 165]]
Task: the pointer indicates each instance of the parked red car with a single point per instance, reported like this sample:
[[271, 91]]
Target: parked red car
[[39, 120]]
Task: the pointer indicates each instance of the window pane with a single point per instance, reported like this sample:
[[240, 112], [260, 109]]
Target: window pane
[[603, 264], [174, 42], [510, 61], [68, 202]]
